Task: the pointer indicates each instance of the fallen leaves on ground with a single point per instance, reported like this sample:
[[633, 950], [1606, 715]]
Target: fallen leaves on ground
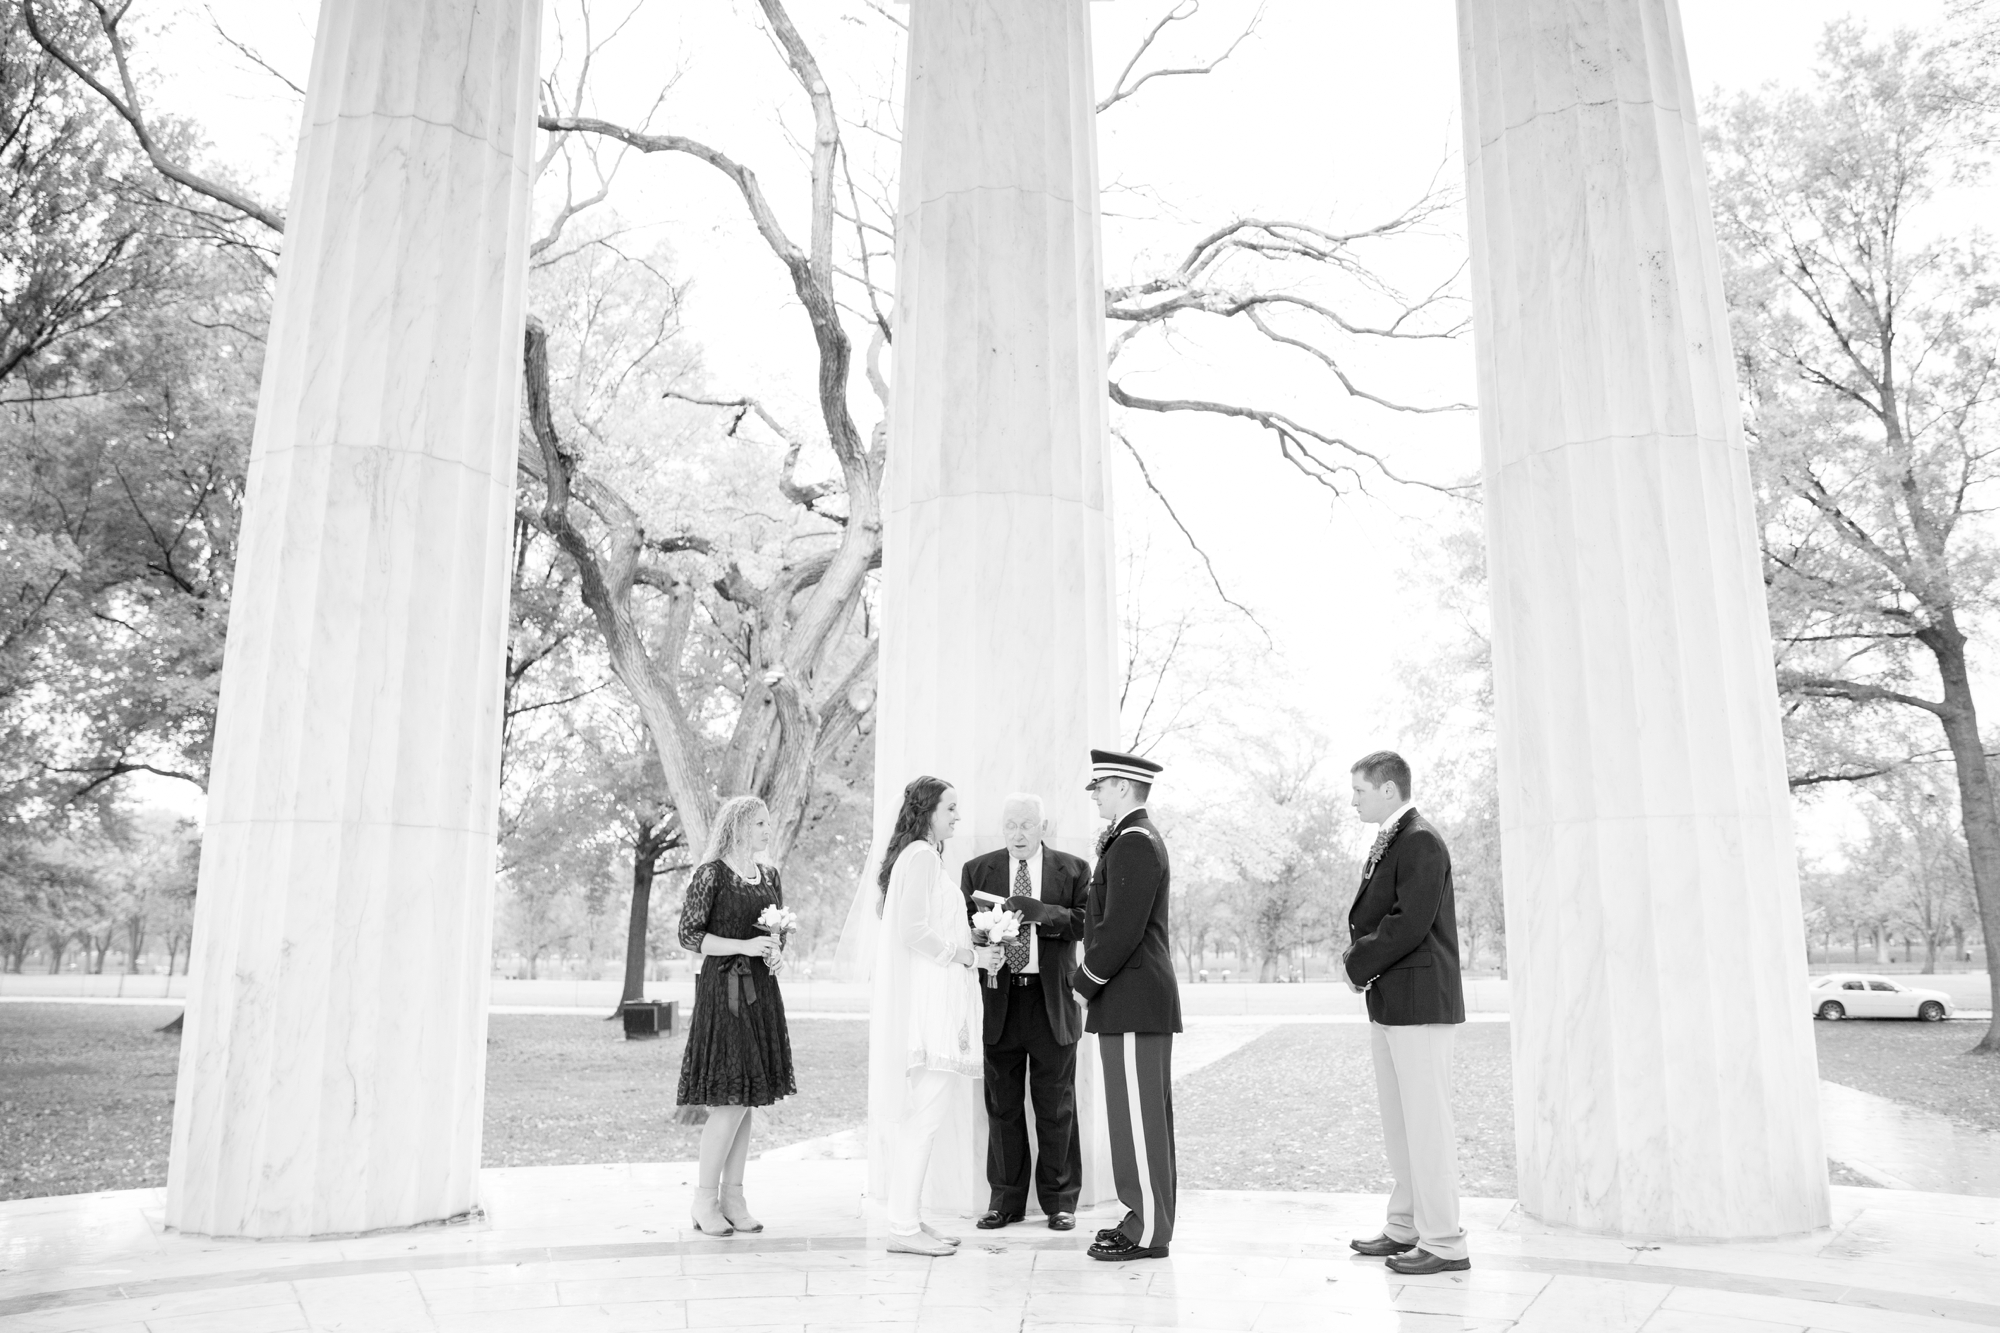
[[1931, 1065], [1296, 1110]]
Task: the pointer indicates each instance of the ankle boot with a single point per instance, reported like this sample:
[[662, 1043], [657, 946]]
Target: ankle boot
[[737, 1211], [708, 1217]]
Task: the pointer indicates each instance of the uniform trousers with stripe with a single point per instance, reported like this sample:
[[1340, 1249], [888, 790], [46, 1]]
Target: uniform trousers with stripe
[[1139, 1104], [1413, 1085]]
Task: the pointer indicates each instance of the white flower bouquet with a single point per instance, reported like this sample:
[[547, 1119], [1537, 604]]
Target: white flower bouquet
[[995, 925], [779, 921]]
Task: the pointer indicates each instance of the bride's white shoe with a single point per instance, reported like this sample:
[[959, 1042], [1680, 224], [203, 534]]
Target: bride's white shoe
[[920, 1244], [937, 1235]]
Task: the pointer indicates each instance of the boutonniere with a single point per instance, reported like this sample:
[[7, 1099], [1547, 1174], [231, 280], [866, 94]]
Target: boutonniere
[[1104, 837]]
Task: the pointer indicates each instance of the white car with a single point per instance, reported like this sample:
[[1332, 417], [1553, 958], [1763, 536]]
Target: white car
[[1854, 995]]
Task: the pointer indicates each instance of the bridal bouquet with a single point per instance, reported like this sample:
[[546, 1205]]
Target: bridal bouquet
[[779, 921], [996, 925]]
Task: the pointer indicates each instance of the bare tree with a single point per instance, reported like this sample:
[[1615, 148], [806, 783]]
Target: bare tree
[[799, 634]]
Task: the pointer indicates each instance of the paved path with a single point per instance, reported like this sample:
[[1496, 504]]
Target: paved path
[[1903, 1147]]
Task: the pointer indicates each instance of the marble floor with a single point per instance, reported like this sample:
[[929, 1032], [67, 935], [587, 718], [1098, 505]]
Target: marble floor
[[582, 1249]]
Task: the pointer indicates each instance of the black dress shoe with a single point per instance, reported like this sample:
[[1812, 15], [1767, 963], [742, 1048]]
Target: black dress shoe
[[1120, 1248], [1377, 1247], [1062, 1221], [1423, 1261], [993, 1219], [1107, 1233]]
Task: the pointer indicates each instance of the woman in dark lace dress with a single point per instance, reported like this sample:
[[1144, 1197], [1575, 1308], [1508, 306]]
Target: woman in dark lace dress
[[739, 1055]]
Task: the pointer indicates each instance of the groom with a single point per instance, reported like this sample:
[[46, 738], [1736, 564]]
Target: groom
[[1405, 956], [1127, 975], [1032, 1025]]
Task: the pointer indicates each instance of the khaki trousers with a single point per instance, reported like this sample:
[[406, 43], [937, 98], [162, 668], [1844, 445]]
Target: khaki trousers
[[1413, 1084]]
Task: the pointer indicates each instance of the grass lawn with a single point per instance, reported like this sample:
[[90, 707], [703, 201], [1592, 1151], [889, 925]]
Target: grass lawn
[[563, 1090], [86, 1094], [86, 1097], [1924, 1064], [1313, 1123]]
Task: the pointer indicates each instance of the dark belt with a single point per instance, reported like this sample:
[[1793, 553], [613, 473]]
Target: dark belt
[[739, 982], [1025, 978]]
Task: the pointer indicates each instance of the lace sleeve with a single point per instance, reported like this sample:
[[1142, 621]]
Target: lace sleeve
[[919, 865], [696, 906]]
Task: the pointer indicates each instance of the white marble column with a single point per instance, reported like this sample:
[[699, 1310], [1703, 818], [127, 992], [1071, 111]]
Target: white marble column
[[999, 633], [333, 1065], [1664, 1071]]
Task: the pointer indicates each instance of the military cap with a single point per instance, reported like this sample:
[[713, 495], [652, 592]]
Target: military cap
[[1111, 764]]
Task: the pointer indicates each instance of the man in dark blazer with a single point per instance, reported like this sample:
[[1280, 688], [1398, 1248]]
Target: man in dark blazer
[[1032, 1023], [1404, 955], [1127, 976]]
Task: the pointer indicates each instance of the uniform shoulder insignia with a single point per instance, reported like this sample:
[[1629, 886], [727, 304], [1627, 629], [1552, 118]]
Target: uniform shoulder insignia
[[1134, 829]]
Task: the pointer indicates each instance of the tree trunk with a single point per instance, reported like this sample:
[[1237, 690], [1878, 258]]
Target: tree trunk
[[646, 850], [1977, 812], [1881, 943], [57, 945], [135, 941]]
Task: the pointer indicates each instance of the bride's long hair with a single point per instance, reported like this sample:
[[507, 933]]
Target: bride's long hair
[[913, 824]]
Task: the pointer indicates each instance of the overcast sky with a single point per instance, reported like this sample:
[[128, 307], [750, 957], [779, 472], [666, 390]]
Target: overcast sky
[[1334, 111]]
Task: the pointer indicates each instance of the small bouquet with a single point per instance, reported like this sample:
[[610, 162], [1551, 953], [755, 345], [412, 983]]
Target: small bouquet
[[995, 925], [779, 921]]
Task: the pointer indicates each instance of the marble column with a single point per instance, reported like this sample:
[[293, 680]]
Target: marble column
[[1664, 1072], [333, 1065], [999, 636]]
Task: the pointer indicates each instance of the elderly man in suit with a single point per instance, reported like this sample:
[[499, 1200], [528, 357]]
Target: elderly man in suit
[[1127, 976], [1404, 955], [1031, 1023]]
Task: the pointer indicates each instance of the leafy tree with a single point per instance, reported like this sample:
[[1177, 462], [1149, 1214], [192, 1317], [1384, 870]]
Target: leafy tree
[[1866, 346], [82, 244], [1915, 855]]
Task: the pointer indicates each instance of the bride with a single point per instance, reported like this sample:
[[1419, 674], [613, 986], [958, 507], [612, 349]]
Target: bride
[[924, 1024]]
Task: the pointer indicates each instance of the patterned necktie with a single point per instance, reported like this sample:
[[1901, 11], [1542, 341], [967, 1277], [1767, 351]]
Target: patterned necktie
[[1017, 948]]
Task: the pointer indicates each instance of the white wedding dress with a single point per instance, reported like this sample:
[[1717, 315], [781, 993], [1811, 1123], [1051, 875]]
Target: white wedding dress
[[925, 1051]]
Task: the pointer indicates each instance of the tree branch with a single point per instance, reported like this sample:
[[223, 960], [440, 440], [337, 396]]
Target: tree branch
[[1214, 579], [1187, 9], [133, 112]]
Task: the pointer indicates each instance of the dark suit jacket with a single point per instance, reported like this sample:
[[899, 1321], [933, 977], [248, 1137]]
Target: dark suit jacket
[[1065, 883], [1404, 925], [1127, 972]]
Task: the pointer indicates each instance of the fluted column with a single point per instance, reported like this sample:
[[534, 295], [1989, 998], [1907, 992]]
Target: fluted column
[[998, 626], [333, 1064], [1665, 1080]]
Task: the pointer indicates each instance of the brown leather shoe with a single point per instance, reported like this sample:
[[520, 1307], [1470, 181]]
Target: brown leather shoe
[[1423, 1262], [1380, 1247]]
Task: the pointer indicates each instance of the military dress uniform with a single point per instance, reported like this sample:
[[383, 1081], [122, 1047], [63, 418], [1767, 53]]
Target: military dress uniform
[[1127, 977]]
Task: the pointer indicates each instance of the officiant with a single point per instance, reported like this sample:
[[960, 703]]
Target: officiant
[[1032, 1022]]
